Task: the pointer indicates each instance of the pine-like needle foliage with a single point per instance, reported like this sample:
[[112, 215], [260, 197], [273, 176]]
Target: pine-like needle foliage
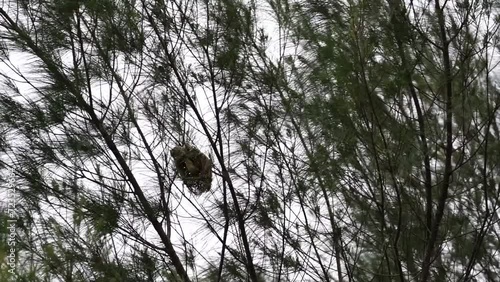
[[347, 140]]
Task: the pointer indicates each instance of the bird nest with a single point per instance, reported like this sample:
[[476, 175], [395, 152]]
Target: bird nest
[[194, 167]]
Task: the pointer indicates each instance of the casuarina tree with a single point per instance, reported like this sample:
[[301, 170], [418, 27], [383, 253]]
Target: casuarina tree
[[254, 141]]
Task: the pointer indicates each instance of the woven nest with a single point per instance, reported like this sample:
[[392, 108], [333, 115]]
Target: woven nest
[[194, 167]]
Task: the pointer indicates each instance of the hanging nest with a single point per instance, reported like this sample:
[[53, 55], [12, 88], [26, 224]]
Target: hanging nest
[[194, 167]]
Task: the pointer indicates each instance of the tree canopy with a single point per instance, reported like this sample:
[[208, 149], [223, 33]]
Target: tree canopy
[[348, 140]]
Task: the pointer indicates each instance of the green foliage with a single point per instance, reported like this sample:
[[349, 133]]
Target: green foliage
[[354, 141], [104, 217]]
